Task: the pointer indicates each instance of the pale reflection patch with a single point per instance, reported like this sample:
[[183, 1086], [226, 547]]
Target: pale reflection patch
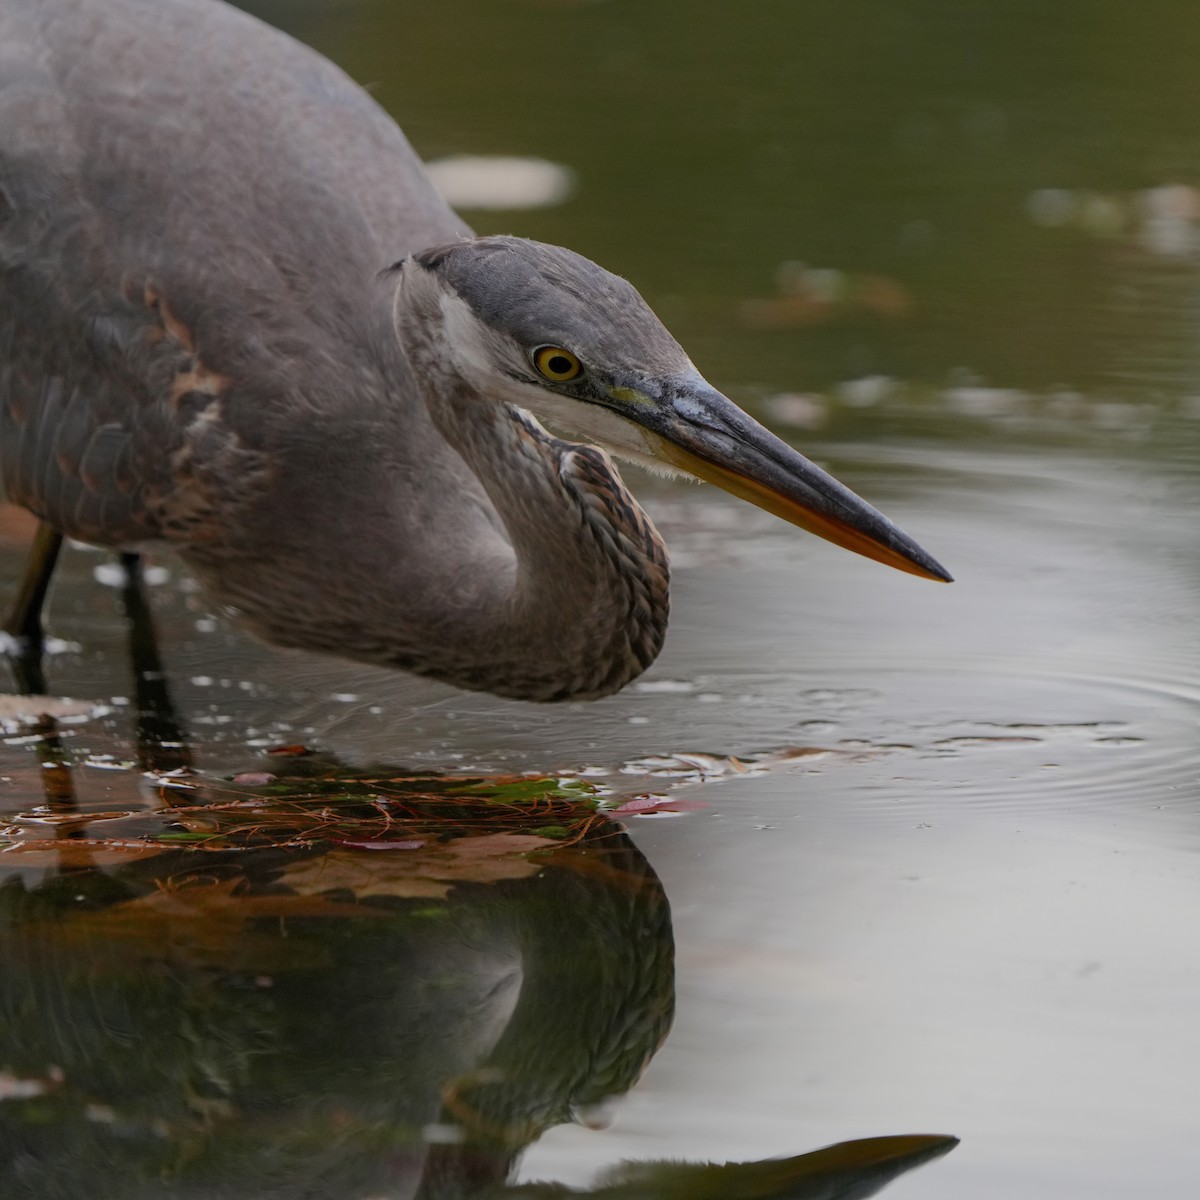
[[500, 181]]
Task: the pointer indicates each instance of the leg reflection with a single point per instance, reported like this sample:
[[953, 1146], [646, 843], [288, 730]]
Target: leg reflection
[[160, 739]]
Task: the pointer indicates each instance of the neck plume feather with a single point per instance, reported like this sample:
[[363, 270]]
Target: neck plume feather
[[585, 608]]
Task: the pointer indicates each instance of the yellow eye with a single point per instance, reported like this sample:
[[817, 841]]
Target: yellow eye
[[558, 365]]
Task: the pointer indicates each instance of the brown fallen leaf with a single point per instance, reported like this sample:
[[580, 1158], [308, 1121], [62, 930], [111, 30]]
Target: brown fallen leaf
[[223, 899], [196, 922], [30, 854], [489, 845], [427, 872], [342, 870]]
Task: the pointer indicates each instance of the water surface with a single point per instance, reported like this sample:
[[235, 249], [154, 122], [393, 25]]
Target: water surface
[[932, 863]]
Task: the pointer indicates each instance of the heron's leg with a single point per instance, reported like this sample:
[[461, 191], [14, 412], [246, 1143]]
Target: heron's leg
[[160, 741], [24, 638]]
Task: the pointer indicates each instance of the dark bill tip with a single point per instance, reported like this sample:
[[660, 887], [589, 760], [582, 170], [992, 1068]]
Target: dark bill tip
[[708, 436]]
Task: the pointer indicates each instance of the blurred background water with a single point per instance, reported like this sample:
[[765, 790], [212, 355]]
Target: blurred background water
[[950, 251]]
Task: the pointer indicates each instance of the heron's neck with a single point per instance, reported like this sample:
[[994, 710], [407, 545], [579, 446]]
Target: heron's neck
[[576, 602]]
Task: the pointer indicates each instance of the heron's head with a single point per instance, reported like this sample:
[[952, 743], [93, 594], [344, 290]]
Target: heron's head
[[548, 330]]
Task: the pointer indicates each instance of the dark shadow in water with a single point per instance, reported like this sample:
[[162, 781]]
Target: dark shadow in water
[[312, 982]]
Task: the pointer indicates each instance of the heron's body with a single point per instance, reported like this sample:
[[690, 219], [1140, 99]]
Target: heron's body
[[197, 347]]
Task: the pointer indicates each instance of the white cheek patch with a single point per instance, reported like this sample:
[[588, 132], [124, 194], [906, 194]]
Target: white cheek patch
[[585, 422], [465, 343]]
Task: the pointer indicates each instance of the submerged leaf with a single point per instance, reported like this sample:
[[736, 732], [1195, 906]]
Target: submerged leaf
[[364, 877], [211, 922], [28, 854], [425, 871]]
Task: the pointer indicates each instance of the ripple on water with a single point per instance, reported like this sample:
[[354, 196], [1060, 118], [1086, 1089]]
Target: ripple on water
[[1127, 745], [994, 734], [1137, 750]]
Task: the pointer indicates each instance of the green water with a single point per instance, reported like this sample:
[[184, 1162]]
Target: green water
[[951, 251]]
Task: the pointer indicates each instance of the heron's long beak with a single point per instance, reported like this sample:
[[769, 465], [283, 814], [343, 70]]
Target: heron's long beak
[[706, 435]]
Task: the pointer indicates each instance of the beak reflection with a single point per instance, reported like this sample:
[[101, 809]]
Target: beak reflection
[[705, 434]]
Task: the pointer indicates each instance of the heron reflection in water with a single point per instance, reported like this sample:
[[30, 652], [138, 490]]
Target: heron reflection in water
[[199, 348], [307, 1019]]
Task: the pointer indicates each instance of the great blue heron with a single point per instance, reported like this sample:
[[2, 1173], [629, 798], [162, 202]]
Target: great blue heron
[[198, 347]]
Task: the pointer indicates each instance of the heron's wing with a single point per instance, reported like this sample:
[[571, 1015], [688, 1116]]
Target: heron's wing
[[65, 449], [193, 208]]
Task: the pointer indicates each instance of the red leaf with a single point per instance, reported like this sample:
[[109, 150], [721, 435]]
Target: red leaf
[[652, 804]]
